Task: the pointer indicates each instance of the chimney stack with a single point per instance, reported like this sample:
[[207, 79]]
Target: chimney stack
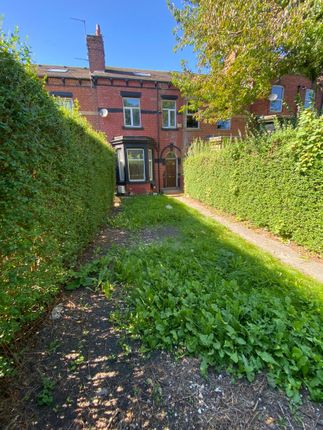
[[95, 48]]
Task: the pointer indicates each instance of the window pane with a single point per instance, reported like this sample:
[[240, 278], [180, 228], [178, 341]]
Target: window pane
[[129, 102], [224, 125], [172, 118], [276, 106], [136, 117], [169, 104], [120, 157], [150, 161], [136, 164], [66, 102], [309, 98], [127, 117], [165, 118], [277, 89]]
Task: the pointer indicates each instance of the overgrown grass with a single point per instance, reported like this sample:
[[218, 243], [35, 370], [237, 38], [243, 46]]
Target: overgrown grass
[[208, 293]]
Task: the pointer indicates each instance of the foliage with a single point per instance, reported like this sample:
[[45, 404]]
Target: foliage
[[46, 397], [273, 180], [56, 185], [208, 293], [241, 46]]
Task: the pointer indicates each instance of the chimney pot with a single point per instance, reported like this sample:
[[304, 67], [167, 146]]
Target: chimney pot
[[97, 30]]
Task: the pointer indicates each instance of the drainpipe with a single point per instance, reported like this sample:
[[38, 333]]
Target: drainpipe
[[158, 135]]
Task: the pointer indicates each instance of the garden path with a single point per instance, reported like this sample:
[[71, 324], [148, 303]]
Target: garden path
[[292, 255]]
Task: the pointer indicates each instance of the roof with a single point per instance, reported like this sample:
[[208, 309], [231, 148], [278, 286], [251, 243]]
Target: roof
[[110, 72]]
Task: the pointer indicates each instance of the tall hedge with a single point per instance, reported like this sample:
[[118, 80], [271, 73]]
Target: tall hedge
[[56, 185], [273, 180]]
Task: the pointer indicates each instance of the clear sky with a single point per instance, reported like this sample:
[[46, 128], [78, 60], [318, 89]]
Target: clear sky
[[137, 33]]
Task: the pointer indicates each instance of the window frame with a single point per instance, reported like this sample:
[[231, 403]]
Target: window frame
[[169, 110], [143, 179], [275, 101], [150, 157], [121, 164], [191, 114], [131, 109]]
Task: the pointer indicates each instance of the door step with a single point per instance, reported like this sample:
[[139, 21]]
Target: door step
[[171, 191]]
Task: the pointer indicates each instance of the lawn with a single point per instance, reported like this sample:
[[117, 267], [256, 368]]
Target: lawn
[[206, 292]]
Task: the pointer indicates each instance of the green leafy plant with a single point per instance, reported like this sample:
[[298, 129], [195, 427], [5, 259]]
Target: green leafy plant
[[56, 186], [46, 397], [273, 180], [210, 294]]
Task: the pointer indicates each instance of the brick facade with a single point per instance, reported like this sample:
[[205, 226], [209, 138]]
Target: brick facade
[[101, 87]]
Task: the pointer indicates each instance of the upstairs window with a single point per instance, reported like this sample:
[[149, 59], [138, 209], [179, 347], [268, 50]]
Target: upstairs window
[[131, 112], [309, 98], [191, 121], [169, 113], [224, 124], [277, 93], [63, 99], [136, 164]]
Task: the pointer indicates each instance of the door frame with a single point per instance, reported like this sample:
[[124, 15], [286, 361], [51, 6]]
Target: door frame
[[176, 167]]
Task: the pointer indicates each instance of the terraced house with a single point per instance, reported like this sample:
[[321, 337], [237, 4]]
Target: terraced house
[[139, 111]]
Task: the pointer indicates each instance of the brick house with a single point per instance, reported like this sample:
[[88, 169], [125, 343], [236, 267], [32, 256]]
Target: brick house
[[138, 110]]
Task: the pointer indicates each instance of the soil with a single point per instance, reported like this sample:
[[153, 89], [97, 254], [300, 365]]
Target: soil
[[93, 376]]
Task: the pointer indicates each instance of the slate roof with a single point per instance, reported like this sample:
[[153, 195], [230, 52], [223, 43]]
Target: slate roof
[[110, 72]]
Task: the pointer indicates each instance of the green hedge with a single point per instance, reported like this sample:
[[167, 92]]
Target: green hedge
[[274, 181], [56, 185]]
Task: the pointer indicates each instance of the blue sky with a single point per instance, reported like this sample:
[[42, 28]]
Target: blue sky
[[137, 33]]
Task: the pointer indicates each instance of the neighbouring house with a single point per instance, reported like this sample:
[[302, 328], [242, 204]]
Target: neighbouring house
[[139, 111]]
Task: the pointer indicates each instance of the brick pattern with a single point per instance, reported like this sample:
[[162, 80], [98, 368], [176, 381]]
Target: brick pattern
[[97, 91]]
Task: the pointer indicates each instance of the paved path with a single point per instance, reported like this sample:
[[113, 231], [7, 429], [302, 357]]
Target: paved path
[[285, 253]]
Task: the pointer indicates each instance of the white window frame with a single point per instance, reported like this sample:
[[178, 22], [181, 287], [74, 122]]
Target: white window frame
[[309, 100], [131, 109], [150, 164], [143, 179], [169, 110], [275, 101]]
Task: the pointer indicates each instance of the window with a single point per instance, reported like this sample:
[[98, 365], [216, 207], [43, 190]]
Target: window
[[136, 164], [224, 125], [151, 164], [277, 104], [191, 121], [309, 98], [169, 114], [131, 112], [63, 99], [121, 164]]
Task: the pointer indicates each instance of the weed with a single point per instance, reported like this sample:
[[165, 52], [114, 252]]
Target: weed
[[74, 364], [45, 397]]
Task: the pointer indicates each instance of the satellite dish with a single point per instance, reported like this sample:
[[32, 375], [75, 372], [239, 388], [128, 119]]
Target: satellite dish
[[272, 97], [103, 112]]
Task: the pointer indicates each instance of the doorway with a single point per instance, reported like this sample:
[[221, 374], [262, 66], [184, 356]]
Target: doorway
[[171, 173]]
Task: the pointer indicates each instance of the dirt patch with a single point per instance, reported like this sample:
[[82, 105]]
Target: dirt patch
[[78, 371]]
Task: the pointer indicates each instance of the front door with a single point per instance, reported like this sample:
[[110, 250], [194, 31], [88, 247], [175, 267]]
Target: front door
[[171, 171]]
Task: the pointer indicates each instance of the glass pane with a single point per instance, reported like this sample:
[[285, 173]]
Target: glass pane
[[309, 98], [277, 89], [136, 117], [165, 118], [120, 156], [276, 106], [172, 118], [127, 117], [224, 125], [136, 164], [191, 122], [128, 102], [169, 104], [150, 160]]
